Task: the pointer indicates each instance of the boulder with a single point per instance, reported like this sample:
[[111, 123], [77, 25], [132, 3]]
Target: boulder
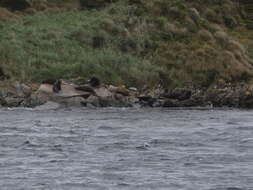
[[108, 100], [32, 102], [146, 100], [12, 101], [228, 96], [103, 92], [48, 106], [23, 90], [72, 101], [178, 94], [86, 95], [246, 101], [91, 101], [170, 103], [120, 90], [67, 95], [123, 101]]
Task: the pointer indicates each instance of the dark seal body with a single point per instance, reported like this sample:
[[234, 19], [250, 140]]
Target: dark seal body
[[94, 82], [57, 86]]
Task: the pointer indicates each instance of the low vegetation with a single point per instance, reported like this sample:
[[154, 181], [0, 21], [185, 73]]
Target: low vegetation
[[132, 42]]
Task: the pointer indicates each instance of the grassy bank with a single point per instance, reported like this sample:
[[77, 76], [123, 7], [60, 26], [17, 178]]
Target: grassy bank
[[133, 43], [68, 45]]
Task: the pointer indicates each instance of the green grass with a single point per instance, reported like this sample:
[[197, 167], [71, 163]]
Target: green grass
[[69, 45], [134, 44]]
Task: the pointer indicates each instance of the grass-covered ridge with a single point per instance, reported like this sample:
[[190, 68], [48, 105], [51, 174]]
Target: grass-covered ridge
[[67, 45], [131, 42]]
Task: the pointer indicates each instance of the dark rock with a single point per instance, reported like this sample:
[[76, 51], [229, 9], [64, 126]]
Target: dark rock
[[246, 101], [185, 98], [189, 103], [123, 101], [106, 102], [12, 101], [224, 97], [2, 101], [178, 93], [158, 103], [91, 101], [32, 102], [170, 103], [147, 100], [19, 99]]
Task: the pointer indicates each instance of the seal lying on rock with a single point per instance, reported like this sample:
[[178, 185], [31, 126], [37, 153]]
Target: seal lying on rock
[[57, 86], [94, 82]]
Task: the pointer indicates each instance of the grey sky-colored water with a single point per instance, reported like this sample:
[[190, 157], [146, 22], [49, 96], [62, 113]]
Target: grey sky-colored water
[[129, 149]]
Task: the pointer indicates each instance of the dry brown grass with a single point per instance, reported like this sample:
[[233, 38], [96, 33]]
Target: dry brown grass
[[5, 14]]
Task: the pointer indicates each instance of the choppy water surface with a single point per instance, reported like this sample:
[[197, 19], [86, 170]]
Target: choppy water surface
[[126, 149]]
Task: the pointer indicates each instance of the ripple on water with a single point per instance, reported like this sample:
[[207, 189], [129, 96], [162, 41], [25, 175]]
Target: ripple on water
[[179, 149]]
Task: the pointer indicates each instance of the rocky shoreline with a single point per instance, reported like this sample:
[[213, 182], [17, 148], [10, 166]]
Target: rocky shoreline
[[67, 93]]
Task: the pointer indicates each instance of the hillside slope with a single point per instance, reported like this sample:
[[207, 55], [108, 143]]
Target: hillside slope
[[134, 42]]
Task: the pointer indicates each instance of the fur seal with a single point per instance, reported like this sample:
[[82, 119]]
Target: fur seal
[[57, 86], [94, 82]]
